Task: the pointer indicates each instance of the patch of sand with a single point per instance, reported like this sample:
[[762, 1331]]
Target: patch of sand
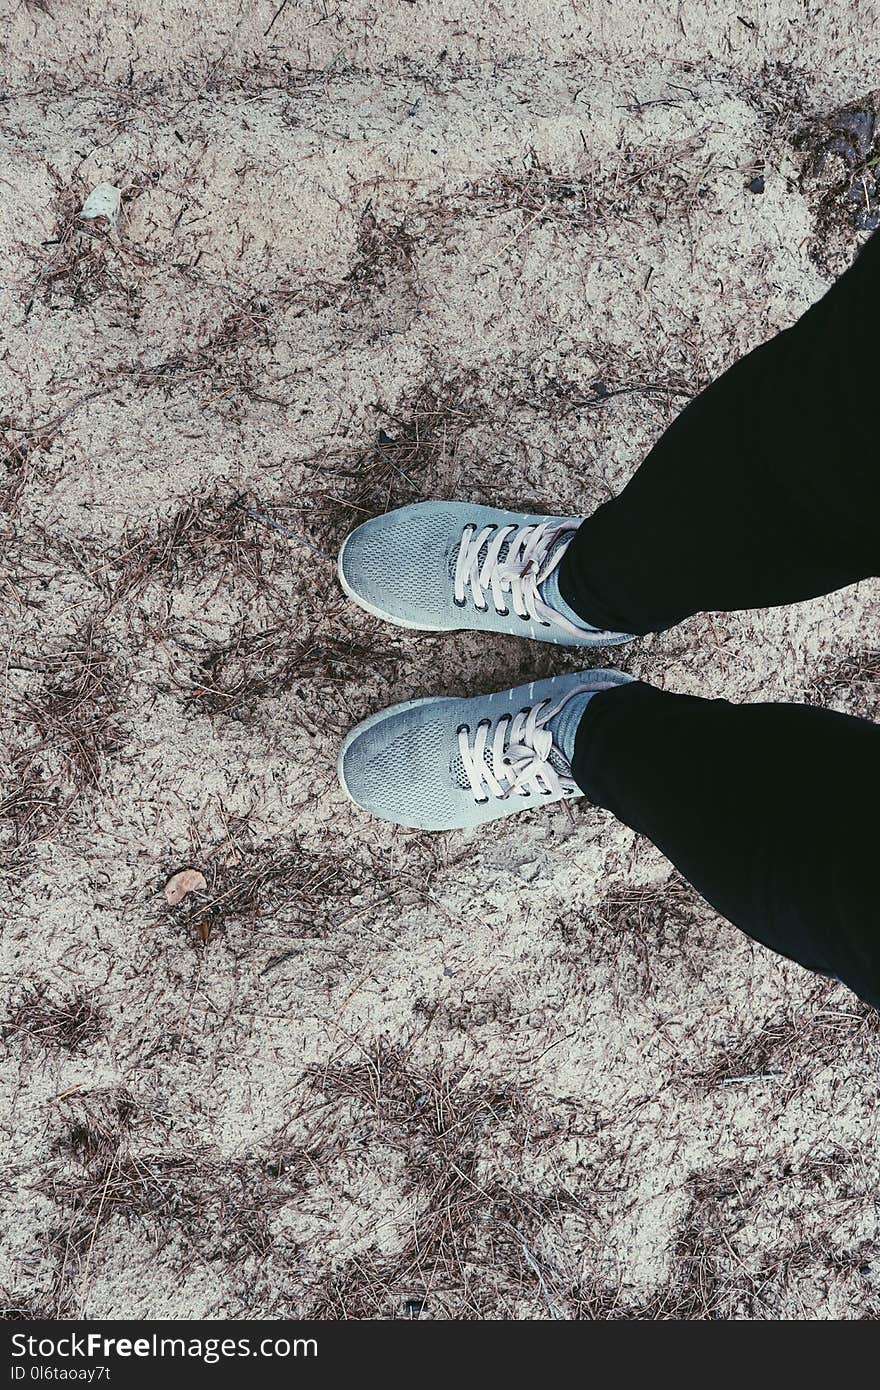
[[524, 1075]]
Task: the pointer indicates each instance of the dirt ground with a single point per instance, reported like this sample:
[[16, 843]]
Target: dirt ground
[[370, 253]]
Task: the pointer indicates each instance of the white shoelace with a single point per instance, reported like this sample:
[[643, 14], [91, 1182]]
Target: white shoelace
[[519, 753], [526, 566]]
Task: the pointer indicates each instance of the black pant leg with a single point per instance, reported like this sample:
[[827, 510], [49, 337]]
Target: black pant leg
[[771, 812], [765, 490]]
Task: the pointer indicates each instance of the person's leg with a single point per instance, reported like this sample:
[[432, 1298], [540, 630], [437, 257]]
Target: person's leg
[[765, 490], [771, 812]]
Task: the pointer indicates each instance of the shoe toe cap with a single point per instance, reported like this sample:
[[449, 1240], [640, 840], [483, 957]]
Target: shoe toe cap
[[395, 768], [397, 564]]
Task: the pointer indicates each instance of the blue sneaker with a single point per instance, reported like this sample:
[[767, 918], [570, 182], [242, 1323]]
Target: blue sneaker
[[448, 763], [443, 566]]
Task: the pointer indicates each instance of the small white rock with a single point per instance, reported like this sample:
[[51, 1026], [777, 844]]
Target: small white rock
[[103, 201]]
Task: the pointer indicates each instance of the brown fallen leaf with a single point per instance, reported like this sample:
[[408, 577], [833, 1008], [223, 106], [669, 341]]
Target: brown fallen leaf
[[202, 929], [187, 881]]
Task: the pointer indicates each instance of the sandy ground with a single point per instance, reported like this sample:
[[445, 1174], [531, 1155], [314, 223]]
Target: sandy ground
[[370, 253]]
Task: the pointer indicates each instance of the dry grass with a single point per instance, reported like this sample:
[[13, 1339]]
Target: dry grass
[[819, 1260], [705, 1275], [225, 370], [214, 534], [648, 908], [82, 261], [789, 1048], [477, 1246], [637, 931], [219, 1208], [21, 445], [20, 1308], [17, 453], [229, 678], [594, 1301], [76, 708], [498, 1008], [305, 892], [413, 457], [657, 181], [768, 1053], [71, 1022], [383, 251], [473, 1248], [781, 94], [848, 681], [712, 1279], [624, 375], [70, 724]]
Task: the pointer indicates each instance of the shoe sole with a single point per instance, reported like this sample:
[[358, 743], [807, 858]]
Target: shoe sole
[[605, 680]]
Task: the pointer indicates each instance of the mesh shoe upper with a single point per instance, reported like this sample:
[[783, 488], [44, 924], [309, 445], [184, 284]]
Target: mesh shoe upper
[[405, 764], [402, 567]]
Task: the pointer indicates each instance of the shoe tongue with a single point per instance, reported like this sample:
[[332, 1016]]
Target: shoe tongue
[[564, 729], [549, 589]]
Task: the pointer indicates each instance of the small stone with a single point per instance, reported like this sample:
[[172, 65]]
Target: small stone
[[756, 185], [103, 201]]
